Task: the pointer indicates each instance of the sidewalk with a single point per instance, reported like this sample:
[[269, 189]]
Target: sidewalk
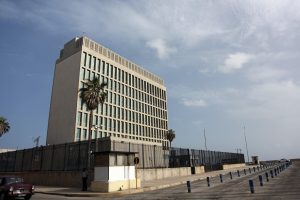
[[146, 185]]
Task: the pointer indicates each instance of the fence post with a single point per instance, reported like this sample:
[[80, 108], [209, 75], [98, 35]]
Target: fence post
[[208, 181], [221, 178], [65, 155], [251, 185], [143, 156], [78, 161], [42, 157], [188, 184], [15, 161], [22, 165], [154, 156], [52, 157], [271, 172], [260, 180], [267, 176]]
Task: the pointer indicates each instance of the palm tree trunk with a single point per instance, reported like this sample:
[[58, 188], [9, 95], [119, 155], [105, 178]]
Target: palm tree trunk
[[89, 140]]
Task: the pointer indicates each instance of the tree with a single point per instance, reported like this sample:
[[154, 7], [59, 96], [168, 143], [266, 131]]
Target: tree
[[92, 94], [4, 126], [170, 136]]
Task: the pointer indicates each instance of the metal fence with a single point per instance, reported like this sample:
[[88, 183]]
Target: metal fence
[[73, 156], [210, 159]]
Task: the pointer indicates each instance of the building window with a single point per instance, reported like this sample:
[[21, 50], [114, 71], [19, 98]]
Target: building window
[[84, 131], [94, 62], [103, 67], [79, 118], [87, 75], [115, 72], [84, 57], [119, 75], [85, 119], [98, 66], [90, 60], [111, 71], [107, 69], [82, 73], [78, 134]]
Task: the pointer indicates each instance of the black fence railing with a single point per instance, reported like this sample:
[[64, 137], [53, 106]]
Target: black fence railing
[[73, 156], [210, 159]]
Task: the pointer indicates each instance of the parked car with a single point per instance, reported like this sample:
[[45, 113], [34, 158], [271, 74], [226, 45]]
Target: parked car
[[12, 187]]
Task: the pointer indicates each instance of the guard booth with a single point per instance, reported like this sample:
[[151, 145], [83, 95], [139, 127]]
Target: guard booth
[[255, 160], [114, 171]]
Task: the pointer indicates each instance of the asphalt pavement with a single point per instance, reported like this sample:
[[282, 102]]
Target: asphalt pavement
[[286, 185]]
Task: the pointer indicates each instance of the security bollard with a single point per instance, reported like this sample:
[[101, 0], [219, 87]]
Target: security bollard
[[250, 170], [271, 172], [245, 172], [230, 174], [260, 180], [267, 176], [208, 181], [251, 185], [221, 178], [238, 173], [188, 184]]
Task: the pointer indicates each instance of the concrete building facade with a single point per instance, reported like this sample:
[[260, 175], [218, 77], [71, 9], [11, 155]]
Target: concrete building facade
[[136, 106]]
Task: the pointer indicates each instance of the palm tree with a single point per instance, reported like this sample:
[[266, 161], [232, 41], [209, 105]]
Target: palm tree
[[4, 126], [170, 136], [92, 94]]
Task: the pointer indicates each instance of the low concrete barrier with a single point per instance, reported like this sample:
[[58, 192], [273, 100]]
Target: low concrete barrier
[[160, 173], [230, 166]]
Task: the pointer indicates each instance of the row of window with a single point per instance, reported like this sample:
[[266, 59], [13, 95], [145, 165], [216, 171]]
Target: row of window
[[131, 95], [114, 124], [104, 68], [125, 90], [82, 134], [121, 111]]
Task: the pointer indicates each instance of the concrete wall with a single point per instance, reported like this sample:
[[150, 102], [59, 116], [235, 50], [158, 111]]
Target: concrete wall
[[230, 166], [160, 173], [62, 114], [73, 178], [51, 178]]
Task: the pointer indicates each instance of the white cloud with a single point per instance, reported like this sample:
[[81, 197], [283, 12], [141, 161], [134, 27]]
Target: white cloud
[[194, 102], [235, 62], [266, 74], [162, 50]]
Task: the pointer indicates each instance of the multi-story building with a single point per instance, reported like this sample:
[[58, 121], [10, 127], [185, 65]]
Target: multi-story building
[[136, 106]]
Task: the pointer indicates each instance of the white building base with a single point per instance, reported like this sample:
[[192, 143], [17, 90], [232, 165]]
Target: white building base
[[114, 178]]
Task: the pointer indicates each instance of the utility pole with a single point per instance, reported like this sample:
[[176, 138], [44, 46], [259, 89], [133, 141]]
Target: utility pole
[[205, 140], [36, 141], [246, 143]]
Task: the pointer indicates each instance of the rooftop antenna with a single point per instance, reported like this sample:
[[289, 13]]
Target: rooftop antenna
[[36, 141]]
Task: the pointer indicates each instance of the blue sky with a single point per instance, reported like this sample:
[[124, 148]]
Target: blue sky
[[226, 64]]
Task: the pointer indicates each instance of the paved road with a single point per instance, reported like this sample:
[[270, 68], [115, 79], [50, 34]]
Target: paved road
[[284, 186]]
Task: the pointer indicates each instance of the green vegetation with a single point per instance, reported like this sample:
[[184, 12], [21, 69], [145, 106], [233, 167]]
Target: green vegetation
[[92, 94], [170, 136], [4, 126]]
